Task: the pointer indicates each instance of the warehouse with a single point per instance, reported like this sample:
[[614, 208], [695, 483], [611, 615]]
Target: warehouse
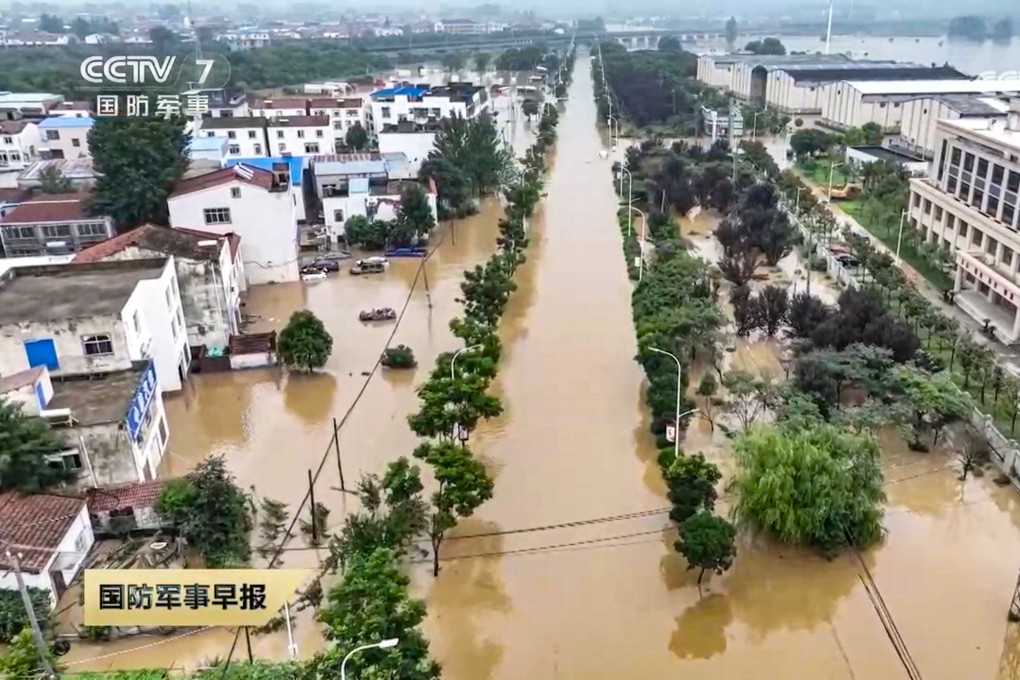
[[849, 104], [917, 128]]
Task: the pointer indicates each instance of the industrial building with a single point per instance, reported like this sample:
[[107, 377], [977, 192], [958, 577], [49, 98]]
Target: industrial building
[[917, 127]]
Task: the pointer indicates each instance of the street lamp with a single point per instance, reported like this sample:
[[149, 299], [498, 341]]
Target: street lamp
[[754, 125], [453, 361], [630, 193], [832, 168], [899, 239], [679, 387], [797, 207], [611, 119], [385, 644], [641, 243]]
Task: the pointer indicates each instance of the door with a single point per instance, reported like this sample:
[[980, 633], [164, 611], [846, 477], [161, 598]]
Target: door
[[58, 583], [42, 353], [40, 396]]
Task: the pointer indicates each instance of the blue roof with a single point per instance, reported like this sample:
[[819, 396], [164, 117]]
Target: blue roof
[[358, 185], [414, 91], [207, 144], [66, 122], [296, 165]]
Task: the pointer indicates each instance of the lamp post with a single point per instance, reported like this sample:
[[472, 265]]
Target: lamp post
[[641, 242], [754, 125], [385, 644], [679, 377], [453, 361], [832, 168], [613, 119], [899, 239], [630, 194], [796, 208]]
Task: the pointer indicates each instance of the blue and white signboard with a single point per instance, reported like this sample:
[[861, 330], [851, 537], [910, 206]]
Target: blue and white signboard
[[141, 400]]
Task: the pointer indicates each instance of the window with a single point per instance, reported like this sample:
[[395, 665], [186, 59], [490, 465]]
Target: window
[[251, 134], [8, 140], [1007, 256], [21, 232], [927, 207], [81, 541], [938, 214], [69, 461], [257, 148], [175, 328], [964, 191], [169, 293], [352, 113], [136, 319], [97, 345], [338, 216], [92, 229], [942, 157], [301, 134], [235, 192], [52, 135], [1013, 184], [162, 431], [56, 231], [982, 167], [279, 134], [318, 133], [978, 199], [311, 147], [955, 157], [990, 245], [217, 215], [385, 112], [75, 142], [968, 161], [993, 206], [951, 185], [15, 156], [231, 134], [283, 147], [234, 149], [1008, 213], [210, 133], [975, 236], [917, 200], [998, 172]]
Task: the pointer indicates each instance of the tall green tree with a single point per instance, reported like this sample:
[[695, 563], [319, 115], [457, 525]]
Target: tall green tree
[[356, 137], [138, 161], [482, 61], [731, 31], [707, 542], [52, 181], [474, 147], [211, 511], [163, 39], [817, 485], [414, 217], [371, 603], [304, 344], [690, 484], [51, 23], [25, 442], [935, 399]]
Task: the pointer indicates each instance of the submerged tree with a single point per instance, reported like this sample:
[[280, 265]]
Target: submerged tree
[[707, 542], [25, 444], [304, 344]]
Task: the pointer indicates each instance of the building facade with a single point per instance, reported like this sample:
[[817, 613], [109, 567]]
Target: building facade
[[19, 144], [132, 313], [51, 224], [65, 137], [968, 206], [918, 125], [423, 105], [246, 136], [256, 204], [209, 271], [300, 135]]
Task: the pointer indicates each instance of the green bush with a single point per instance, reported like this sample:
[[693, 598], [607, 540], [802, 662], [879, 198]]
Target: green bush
[[12, 612], [400, 356]]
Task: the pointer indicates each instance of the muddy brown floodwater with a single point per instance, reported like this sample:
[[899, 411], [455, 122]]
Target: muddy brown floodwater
[[611, 599]]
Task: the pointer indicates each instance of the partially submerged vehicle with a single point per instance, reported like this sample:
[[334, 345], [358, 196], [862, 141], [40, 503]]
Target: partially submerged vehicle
[[380, 314], [406, 252], [312, 274], [370, 265]]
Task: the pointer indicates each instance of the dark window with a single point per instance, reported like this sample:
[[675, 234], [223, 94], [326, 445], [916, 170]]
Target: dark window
[[97, 345], [1008, 213], [954, 158], [993, 206], [998, 172], [1013, 184], [951, 185], [968, 161], [979, 197], [982, 167], [942, 158]]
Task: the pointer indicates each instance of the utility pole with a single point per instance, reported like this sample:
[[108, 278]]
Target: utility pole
[[828, 30], [40, 644]]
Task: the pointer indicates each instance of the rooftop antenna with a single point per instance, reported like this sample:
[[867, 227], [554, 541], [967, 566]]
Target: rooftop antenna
[[828, 30]]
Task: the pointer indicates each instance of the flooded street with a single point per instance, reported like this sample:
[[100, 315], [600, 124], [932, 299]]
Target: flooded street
[[578, 577]]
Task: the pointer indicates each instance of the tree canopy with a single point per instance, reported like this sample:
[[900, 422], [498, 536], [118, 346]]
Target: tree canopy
[[707, 542], [766, 46], [25, 442], [138, 161], [304, 344]]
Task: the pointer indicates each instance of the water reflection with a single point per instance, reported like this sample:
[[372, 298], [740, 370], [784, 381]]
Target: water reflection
[[309, 396], [701, 629]]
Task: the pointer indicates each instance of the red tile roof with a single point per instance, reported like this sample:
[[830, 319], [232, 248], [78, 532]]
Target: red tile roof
[[133, 495], [35, 524], [234, 240], [178, 242], [260, 178], [47, 208], [334, 103], [12, 127]]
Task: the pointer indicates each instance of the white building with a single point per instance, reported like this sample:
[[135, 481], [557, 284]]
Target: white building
[[336, 89], [853, 103], [19, 144], [918, 125], [968, 206], [257, 205], [17, 104], [75, 109], [132, 313], [424, 105], [300, 135], [213, 149], [222, 103], [246, 136], [65, 137], [415, 146], [58, 528], [245, 40], [343, 113], [209, 270]]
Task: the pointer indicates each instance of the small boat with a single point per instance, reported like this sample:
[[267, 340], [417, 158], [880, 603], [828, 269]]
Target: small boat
[[406, 252], [380, 314]]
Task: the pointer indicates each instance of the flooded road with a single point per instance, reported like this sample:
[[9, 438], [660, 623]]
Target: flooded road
[[609, 598]]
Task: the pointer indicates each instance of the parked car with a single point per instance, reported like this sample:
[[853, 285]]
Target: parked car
[[367, 267], [312, 274], [326, 265], [335, 255], [846, 259]]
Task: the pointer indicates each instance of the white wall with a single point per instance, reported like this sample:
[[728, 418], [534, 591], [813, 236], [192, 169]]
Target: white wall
[[246, 142], [82, 527], [278, 113], [265, 220], [24, 144], [71, 142], [292, 140], [415, 145], [157, 303], [435, 107], [357, 204], [67, 340]]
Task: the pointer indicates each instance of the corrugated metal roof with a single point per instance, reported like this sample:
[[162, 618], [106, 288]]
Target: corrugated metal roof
[[295, 164], [922, 87], [63, 122], [374, 167], [401, 91]]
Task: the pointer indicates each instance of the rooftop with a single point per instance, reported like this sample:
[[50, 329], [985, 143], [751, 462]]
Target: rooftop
[[47, 208], [132, 495], [12, 127], [406, 91], [71, 168], [295, 163], [35, 524], [208, 144], [96, 400], [61, 122], [56, 292], [300, 121], [283, 104], [184, 243], [778, 60], [334, 103], [886, 154], [26, 97], [891, 71], [991, 131], [970, 105], [922, 87], [21, 379], [237, 173]]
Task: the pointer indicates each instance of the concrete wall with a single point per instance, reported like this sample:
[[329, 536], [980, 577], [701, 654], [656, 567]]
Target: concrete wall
[[293, 140], [249, 142], [239, 361], [784, 93], [357, 204], [67, 338], [162, 335], [71, 142], [79, 534], [141, 519]]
